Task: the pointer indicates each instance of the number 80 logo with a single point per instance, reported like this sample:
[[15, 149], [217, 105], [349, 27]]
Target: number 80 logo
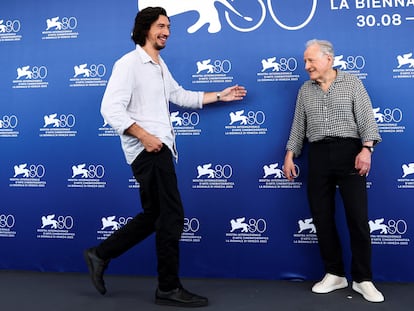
[[7, 221]]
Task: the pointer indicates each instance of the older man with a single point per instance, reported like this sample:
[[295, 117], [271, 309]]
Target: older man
[[334, 113]]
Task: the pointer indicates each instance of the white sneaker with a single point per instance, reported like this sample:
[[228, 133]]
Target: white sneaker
[[368, 291], [329, 283]]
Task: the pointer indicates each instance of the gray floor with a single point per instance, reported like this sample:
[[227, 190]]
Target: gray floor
[[23, 290]]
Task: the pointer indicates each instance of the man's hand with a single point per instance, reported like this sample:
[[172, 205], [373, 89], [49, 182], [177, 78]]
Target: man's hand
[[363, 162], [151, 143], [289, 166], [231, 93], [235, 92]]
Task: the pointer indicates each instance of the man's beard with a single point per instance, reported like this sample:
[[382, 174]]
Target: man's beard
[[158, 47]]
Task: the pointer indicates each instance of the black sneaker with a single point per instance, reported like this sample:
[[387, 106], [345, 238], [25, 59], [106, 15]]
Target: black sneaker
[[179, 297], [96, 267]]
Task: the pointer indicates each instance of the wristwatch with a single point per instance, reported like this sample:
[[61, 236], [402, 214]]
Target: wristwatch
[[370, 148]]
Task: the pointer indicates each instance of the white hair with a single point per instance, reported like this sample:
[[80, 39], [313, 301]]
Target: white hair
[[325, 46]]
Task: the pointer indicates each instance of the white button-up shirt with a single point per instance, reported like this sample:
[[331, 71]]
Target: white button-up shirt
[[139, 91]]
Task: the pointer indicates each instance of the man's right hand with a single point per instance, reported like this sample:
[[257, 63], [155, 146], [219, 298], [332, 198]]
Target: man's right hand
[[150, 142], [289, 168]]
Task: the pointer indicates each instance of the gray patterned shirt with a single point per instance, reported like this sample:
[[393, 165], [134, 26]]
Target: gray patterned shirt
[[345, 110]]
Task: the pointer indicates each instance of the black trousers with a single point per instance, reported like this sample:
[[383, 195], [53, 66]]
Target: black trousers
[[162, 214], [331, 166]]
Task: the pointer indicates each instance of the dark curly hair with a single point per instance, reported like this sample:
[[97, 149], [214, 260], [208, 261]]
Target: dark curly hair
[[143, 21]]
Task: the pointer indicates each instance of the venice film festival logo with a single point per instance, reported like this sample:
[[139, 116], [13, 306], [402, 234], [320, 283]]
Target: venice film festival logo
[[391, 232], [278, 69], [405, 59], [246, 123], [191, 230], [56, 227], [8, 126], [185, 123], [384, 233], [250, 230], [105, 130], [31, 77], [274, 178], [405, 68], [58, 125], [28, 175], [60, 28], [87, 176], [352, 63], [306, 233], [109, 224], [213, 177], [389, 119], [7, 223], [243, 16], [405, 182], [9, 30], [216, 71], [88, 76]]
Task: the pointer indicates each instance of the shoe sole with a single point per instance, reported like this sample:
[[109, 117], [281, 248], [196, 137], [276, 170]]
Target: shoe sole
[[166, 302], [332, 288]]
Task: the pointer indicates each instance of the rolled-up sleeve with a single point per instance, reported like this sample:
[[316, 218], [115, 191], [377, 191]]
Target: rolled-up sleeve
[[117, 97], [180, 96]]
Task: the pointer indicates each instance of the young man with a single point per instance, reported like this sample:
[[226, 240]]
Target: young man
[[334, 113], [136, 105]]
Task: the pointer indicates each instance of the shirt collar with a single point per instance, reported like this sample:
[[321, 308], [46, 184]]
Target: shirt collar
[[145, 58], [142, 54], [339, 77]]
